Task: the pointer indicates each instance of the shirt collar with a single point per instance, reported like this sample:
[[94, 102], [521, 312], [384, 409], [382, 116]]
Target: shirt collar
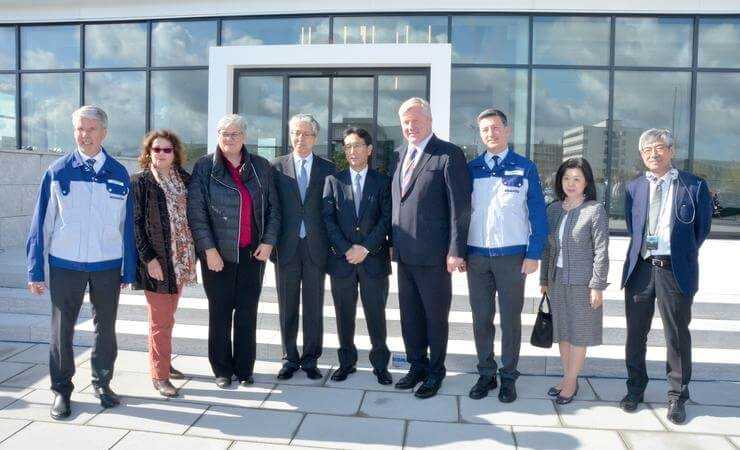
[[84, 157], [297, 159], [667, 178], [422, 145], [362, 173], [501, 156]]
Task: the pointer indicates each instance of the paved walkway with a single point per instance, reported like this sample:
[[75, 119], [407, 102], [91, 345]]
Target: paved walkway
[[357, 413]]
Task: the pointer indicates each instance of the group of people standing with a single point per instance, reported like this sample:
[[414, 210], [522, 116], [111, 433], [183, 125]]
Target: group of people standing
[[434, 214]]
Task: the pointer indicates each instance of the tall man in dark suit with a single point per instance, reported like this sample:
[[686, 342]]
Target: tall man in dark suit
[[357, 214], [431, 214], [669, 214], [302, 247]]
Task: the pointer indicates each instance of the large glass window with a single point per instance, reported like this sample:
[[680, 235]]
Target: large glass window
[[48, 101], [569, 119], [717, 143], [490, 39], [653, 41], [261, 105], [50, 47], [305, 30], [390, 30], [123, 96], [310, 95], [719, 40], [7, 111], [7, 48], [115, 45], [392, 91], [182, 43], [475, 89], [571, 40]]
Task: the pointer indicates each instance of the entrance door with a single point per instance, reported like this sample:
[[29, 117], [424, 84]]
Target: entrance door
[[337, 99]]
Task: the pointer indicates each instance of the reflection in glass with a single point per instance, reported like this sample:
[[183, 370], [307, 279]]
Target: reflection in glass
[[644, 100], [390, 30], [717, 143], [475, 89], [569, 119], [7, 48], [490, 39], [352, 106], [182, 43], [304, 30], [260, 102], [719, 40], [652, 41], [311, 96], [115, 45], [7, 111], [571, 40], [392, 91], [48, 101], [180, 103], [50, 47], [122, 96]]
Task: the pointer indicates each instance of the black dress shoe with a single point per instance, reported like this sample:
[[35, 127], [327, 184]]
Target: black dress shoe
[[286, 373], [560, 400], [410, 380], [677, 411], [313, 373], [481, 388], [342, 373], [428, 388], [507, 393], [384, 377], [60, 407], [176, 374], [553, 391], [247, 381], [630, 401], [108, 398], [223, 382]]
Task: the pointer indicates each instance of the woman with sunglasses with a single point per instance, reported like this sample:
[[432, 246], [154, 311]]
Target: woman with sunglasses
[[165, 245]]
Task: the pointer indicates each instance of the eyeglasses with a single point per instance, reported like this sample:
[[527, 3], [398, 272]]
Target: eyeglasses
[[235, 135], [166, 150], [301, 134], [353, 146], [659, 149]]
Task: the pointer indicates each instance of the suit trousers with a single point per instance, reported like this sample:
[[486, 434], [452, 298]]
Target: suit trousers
[[161, 308], [488, 275], [233, 295], [67, 290], [424, 296], [641, 290], [374, 295], [298, 280]]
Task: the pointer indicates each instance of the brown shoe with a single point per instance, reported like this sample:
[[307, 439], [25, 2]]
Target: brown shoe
[[176, 374], [165, 388]]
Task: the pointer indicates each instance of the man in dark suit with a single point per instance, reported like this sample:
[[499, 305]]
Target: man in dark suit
[[431, 214], [302, 247], [668, 214], [357, 214]]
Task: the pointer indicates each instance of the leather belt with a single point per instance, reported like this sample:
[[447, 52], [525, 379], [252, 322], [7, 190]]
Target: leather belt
[[662, 261]]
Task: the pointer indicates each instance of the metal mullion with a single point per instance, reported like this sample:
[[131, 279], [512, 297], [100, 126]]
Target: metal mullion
[[490, 66], [692, 106], [610, 117], [179, 68], [652, 69], [219, 28], [530, 107], [148, 79], [82, 64], [116, 69], [331, 30], [449, 29], [330, 120], [18, 128], [376, 81], [286, 112]]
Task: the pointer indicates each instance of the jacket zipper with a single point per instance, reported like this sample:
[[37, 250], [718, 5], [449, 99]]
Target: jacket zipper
[[240, 213]]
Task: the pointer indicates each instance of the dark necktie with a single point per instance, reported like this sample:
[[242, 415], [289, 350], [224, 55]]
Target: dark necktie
[[302, 188], [358, 193]]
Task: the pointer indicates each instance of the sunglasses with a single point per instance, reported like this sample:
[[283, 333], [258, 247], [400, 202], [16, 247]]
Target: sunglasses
[[167, 150]]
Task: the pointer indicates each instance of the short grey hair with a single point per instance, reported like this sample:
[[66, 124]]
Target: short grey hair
[[232, 119], [426, 109], [652, 135], [91, 112], [305, 118]]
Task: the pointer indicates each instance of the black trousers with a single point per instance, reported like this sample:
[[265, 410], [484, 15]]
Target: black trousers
[[67, 290], [233, 295], [301, 279], [645, 285], [374, 295], [424, 297]]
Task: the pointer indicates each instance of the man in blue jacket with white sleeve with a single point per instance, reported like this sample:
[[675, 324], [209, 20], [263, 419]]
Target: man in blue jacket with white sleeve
[[508, 228], [82, 230]]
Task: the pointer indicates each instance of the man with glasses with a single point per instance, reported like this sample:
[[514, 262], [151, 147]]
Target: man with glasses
[[302, 248], [357, 214], [668, 214]]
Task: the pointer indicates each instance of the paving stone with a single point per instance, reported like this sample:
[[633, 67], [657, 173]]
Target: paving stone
[[276, 427], [128, 361], [35, 406], [11, 369], [137, 440], [566, 439], [206, 391], [314, 399], [645, 440], [39, 354], [364, 379], [350, 432], [721, 393], [608, 415], [63, 436], [704, 419], [524, 411], [529, 386], [266, 372], [37, 377], [10, 426], [614, 389], [458, 383], [455, 436], [8, 349], [10, 394], [193, 366], [735, 440], [440, 408], [243, 445], [135, 384], [148, 415]]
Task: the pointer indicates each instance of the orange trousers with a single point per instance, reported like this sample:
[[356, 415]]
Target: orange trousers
[[162, 309]]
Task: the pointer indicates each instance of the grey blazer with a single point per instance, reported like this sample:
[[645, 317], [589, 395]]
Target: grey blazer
[[585, 246]]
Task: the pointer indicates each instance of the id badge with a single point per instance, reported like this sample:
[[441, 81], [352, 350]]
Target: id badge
[[651, 242]]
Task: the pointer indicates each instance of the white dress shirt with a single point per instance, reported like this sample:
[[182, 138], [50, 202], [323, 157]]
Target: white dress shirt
[[420, 149], [297, 163], [666, 210], [363, 176], [99, 159], [561, 230]]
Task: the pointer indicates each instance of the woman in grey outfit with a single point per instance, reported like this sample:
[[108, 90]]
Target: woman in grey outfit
[[575, 265]]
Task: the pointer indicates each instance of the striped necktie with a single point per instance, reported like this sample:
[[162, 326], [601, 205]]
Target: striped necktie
[[408, 170]]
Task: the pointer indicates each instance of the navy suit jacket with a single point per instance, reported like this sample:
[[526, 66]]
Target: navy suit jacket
[[692, 219]]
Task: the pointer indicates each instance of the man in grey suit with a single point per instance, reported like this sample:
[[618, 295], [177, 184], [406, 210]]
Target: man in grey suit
[[302, 248], [431, 214]]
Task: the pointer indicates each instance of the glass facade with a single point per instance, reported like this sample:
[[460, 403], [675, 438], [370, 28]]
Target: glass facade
[[570, 85]]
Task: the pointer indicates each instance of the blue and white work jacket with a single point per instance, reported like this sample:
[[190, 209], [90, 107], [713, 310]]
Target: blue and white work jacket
[[83, 220], [508, 215]]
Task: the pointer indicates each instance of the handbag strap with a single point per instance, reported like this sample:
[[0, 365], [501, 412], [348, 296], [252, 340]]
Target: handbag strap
[[545, 298]]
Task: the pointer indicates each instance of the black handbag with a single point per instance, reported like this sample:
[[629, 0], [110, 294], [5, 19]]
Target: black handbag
[[542, 330]]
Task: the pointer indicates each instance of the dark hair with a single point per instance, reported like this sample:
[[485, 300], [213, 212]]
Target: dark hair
[[145, 157], [588, 174], [491, 112], [361, 133]]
